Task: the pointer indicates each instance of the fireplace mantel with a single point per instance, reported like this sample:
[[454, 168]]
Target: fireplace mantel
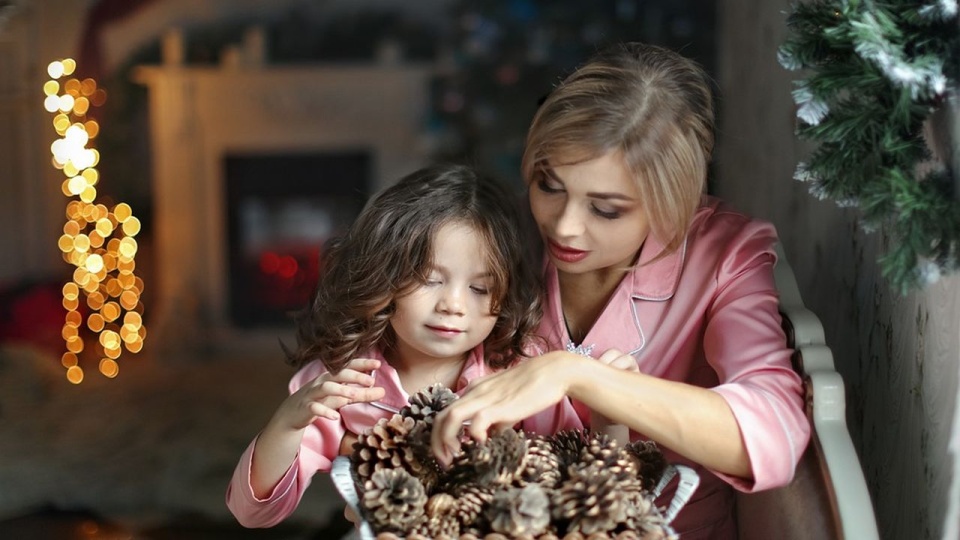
[[198, 115]]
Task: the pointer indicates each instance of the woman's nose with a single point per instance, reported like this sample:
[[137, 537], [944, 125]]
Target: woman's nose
[[569, 222]]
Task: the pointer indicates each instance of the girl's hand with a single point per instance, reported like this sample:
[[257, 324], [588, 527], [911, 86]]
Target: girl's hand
[[619, 360], [501, 400], [326, 394]]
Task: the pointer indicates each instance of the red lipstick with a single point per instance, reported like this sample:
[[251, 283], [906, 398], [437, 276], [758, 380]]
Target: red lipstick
[[566, 254]]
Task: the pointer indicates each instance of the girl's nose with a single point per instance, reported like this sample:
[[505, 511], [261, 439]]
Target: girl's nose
[[451, 301]]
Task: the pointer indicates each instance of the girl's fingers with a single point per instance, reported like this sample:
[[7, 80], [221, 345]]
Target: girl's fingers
[[352, 376], [318, 409], [609, 356], [363, 364], [619, 360], [334, 394]]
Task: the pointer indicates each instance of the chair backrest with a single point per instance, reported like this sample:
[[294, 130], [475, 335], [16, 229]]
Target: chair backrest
[[828, 497]]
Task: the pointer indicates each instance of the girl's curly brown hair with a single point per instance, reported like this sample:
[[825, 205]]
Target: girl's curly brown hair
[[387, 253]]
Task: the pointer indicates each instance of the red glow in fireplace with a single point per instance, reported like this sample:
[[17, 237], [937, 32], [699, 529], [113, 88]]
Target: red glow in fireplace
[[281, 210]]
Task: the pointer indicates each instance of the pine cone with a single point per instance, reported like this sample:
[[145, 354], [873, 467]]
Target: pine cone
[[426, 403], [519, 511], [441, 520], [493, 463], [393, 501], [394, 443], [380, 447], [605, 452], [542, 464], [650, 462], [591, 500], [424, 463], [471, 502], [568, 446]]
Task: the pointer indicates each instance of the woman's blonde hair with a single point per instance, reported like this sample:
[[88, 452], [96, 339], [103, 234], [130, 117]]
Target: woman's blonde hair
[[647, 103]]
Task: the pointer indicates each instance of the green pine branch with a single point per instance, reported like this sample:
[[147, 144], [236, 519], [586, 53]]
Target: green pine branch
[[874, 73]]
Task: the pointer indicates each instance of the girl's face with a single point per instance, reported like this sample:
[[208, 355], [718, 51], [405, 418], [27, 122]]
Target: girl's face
[[449, 314], [589, 215]]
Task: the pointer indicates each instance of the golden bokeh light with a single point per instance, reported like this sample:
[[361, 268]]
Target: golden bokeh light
[[71, 304], [91, 176], [88, 194], [71, 291], [122, 211], [51, 88], [80, 106], [92, 127], [94, 263], [68, 359], [75, 344], [110, 311], [69, 331], [55, 69], [131, 226], [72, 87], [133, 319], [109, 367], [65, 243], [95, 322], [65, 103], [74, 318], [96, 240], [51, 103], [75, 374], [88, 87]]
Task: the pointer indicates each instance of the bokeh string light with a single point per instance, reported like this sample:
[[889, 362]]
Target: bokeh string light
[[104, 311]]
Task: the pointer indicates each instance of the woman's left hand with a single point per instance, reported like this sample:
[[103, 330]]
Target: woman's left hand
[[501, 400]]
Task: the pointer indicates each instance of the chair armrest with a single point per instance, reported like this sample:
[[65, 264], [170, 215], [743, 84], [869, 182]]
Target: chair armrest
[[841, 464]]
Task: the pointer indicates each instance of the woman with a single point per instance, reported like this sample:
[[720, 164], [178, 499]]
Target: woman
[[638, 261]]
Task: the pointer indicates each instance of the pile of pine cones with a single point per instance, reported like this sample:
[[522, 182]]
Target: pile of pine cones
[[572, 485]]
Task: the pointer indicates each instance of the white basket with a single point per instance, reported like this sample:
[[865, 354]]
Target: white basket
[[689, 480]]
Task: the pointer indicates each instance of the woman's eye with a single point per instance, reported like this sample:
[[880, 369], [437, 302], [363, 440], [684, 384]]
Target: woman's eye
[[606, 214], [544, 185], [479, 289]]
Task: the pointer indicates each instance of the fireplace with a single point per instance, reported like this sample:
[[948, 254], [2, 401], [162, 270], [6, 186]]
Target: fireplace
[[281, 210], [245, 153]]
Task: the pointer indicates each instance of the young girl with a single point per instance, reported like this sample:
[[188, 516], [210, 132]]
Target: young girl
[[428, 286], [637, 260]]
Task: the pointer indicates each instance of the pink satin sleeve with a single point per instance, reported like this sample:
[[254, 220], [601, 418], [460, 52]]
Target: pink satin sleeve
[[745, 344], [320, 445]]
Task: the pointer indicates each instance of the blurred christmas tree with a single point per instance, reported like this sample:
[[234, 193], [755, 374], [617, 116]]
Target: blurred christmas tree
[[876, 73]]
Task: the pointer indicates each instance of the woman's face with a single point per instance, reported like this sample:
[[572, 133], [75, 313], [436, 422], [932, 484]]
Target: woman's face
[[589, 215]]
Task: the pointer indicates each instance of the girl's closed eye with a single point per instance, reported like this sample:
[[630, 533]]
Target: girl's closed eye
[[481, 290]]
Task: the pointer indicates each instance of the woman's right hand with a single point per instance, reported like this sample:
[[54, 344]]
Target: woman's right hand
[[325, 395], [503, 399]]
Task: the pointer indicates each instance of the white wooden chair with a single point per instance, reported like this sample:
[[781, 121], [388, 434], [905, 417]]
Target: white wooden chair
[[828, 497]]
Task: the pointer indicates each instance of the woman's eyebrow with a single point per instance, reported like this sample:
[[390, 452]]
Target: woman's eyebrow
[[614, 196], [606, 196]]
